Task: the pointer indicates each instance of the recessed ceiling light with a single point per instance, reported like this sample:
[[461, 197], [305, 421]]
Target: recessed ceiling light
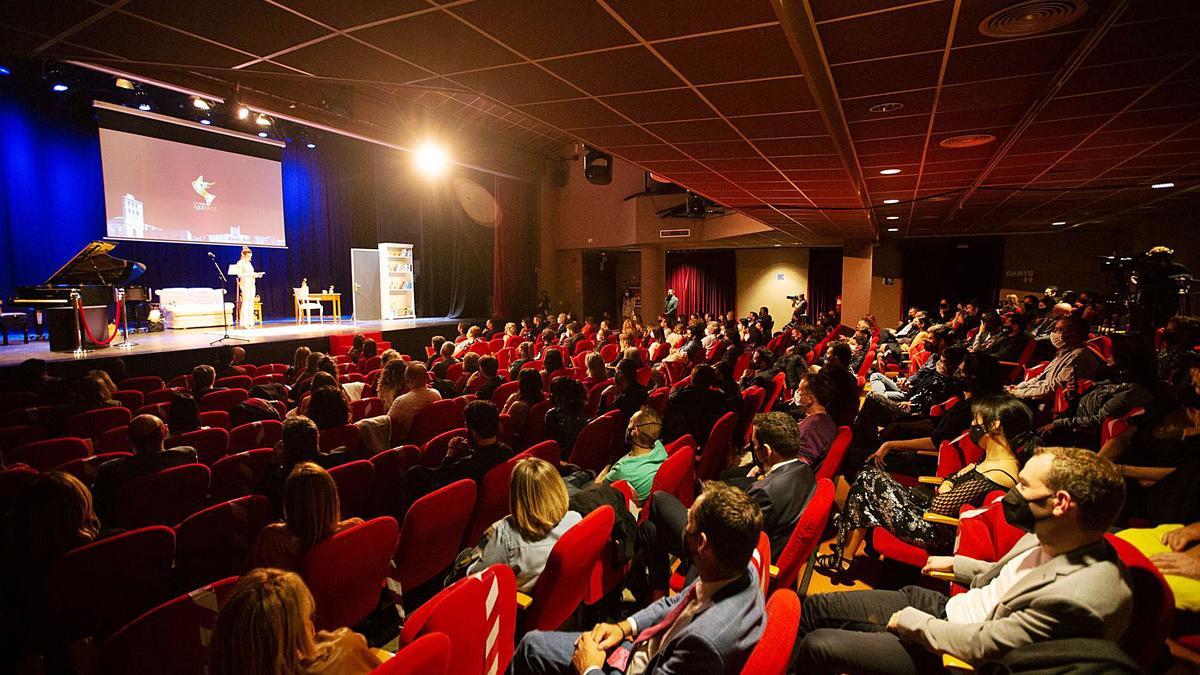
[[966, 141], [1159, 186], [310, 146], [206, 121], [60, 87], [1059, 222], [890, 106], [893, 217], [123, 83], [200, 103], [262, 134], [891, 201], [893, 229], [890, 172], [778, 245]]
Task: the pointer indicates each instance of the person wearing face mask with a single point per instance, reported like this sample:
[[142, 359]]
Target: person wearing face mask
[[694, 409], [928, 387], [816, 429], [1061, 580], [991, 331], [646, 454], [1072, 362], [1002, 428], [1013, 338]]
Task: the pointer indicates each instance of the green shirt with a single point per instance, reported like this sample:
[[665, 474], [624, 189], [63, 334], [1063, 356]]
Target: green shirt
[[638, 471]]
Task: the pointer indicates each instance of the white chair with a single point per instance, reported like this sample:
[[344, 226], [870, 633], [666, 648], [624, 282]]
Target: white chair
[[306, 306]]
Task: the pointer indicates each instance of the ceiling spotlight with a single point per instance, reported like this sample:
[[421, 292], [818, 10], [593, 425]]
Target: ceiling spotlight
[[1160, 186], [60, 87], [4, 70], [891, 201], [893, 229], [243, 112], [431, 159], [262, 134], [1059, 222], [200, 103], [310, 145], [890, 172], [262, 120], [144, 107], [778, 245], [123, 83], [893, 217], [890, 106], [143, 100], [205, 121]]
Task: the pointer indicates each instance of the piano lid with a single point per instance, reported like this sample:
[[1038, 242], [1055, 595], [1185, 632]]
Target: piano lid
[[93, 265]]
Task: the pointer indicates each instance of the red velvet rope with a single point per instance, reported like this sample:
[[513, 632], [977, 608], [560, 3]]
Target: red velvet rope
[[88, 329]]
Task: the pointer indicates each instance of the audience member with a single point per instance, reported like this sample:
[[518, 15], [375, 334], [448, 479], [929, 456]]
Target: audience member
[[419, 395], [328, 408], [627, 394], [695, 408], [471, 457], [298, 367], [817, 429], [1072, 362], [524, 355], [483, 384], [1066, 500], [391, 382], [183, 414], [567, 415], [646, 454], [147, 434], [845, 384], [229, 360], [538, 516], [312, 513], [520, 402]]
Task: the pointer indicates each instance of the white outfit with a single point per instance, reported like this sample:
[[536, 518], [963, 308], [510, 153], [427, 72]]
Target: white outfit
[[246, 276]]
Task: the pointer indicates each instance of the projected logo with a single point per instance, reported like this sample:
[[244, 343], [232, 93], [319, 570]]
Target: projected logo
[[201, 187]]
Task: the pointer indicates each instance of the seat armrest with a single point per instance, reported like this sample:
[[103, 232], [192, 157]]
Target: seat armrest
[[954, 663], [927, 453], [939, 519], [523, 601], [944, 576], [931, 480], [774, 571]]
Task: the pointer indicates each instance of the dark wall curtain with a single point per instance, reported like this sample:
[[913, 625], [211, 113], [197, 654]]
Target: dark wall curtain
[[703, 281], [824, 279], [958, 270], [514, 291], [342, 194]]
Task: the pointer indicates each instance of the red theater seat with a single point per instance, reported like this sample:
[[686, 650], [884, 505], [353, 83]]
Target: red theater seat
[[213, 543], [432, 530], [163, 498], [346, 572]]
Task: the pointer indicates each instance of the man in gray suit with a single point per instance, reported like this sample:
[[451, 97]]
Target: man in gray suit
[[1062, 580], [671, 307], [709, 628]]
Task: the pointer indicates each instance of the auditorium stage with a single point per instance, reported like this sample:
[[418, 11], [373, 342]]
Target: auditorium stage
[[175, 351]]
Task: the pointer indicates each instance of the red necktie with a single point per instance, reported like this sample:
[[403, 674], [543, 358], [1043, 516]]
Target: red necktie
[[619, 659]]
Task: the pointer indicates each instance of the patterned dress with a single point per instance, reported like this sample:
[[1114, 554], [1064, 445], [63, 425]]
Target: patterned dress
[[878, 500]]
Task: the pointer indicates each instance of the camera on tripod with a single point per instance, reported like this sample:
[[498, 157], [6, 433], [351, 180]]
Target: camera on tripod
[[792, 297]]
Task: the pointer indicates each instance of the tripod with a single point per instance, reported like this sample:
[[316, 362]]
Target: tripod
[[224, 316]]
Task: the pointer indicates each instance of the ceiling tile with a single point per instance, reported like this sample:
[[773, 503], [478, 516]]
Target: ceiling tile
[[807, 145], [722, 149], [775, 126], [615, 71], [438, 42], [879, 77], [826, 10], [573, 114], [156, 45], [638, 153], [342, 57], [1044, 54], [351, 13], [660, 106], [541, 28], [246, 33], [672, 18], [760, 98], [729, 57], [695, 130], [521, 83], [47, 19], [628, 134], [909, 30]]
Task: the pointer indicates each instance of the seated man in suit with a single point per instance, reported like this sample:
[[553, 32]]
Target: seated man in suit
[[1062, 580], [778, 482], [710, 627], [147, 433]]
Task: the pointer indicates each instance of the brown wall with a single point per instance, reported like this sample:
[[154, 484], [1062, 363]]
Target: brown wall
[[758, 284]]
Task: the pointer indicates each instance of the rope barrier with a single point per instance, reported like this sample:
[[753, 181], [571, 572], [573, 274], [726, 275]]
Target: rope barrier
[[88, 329]]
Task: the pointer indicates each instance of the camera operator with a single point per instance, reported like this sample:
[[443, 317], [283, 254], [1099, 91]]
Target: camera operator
[[799, 309]]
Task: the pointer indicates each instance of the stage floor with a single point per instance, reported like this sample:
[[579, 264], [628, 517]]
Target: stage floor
[[276, 330]]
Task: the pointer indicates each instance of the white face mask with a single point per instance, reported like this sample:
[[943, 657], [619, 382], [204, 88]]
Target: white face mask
[[1057, 340]]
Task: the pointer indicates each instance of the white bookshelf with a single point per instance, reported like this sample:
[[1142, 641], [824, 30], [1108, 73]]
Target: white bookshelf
[[396, 280]]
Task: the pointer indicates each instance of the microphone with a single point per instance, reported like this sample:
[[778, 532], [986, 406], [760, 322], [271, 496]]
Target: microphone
[[210, 254]]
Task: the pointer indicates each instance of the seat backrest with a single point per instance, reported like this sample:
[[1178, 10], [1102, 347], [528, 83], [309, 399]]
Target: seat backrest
[[217, 419], [211, 444], [97, 588], [354, 481], [92, 423], [235, 382], [1153, 605], [609, 352], [427, 655], [86, 468], [433, 419], [240, 474], [435, 450], [718, 451], [806, 536], [224, 399], [564, 580], [20, 434], [113, 440], [49, 454], [145, 384], [546, 450], [344, 436], [753, 399], [500, 613], [502, 392], [262, 434], [677, 476], [1115, 426], [458, 612], [592, 445], [491, 502], [658, 399], [432, 530], [955, 454], [162, 498], [773, 652], [213, 543], [832, 463], [778, 384], [535, 423], [346, 571], [172, 637], [130, 399], [760, 560]]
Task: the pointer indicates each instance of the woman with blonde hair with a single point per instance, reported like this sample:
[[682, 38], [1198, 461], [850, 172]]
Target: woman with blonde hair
[[391, 382], [299, 365], [538, 516], [597, 370], [312, 513], [266, 628]]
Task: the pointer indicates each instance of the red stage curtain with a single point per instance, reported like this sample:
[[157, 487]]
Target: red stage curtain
[[703, 281]]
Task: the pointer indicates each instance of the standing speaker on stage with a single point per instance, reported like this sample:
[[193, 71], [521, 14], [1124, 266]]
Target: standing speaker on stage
[[244, 270]]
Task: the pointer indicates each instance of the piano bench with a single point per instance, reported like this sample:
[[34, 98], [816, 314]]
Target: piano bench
[[10, 319]]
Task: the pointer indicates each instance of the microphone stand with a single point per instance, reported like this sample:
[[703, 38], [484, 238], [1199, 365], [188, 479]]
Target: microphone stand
[[224, 316]]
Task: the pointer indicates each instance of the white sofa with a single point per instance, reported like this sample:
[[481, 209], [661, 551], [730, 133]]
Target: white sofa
[[193, 307]]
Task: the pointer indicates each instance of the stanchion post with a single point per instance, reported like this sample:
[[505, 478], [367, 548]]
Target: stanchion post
[[77, 303]]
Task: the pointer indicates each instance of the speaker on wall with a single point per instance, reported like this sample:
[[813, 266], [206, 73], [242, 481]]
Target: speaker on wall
[[597, 166]]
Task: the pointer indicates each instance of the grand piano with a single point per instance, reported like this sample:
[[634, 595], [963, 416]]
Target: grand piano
[[92, 272]]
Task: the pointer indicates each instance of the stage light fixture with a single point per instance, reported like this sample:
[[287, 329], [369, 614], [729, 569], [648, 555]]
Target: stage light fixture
[[123, 83], [4, 70], [890, 172], [243, 112], [59, 87], [262, 120], [891, 201], [200, 103], [1160, 186], [431, 159], [262, 134]]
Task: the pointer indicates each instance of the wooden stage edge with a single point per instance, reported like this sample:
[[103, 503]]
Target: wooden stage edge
[[177, 351]]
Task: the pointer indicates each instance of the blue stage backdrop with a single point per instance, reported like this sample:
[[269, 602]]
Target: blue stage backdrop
[[340, 195]]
